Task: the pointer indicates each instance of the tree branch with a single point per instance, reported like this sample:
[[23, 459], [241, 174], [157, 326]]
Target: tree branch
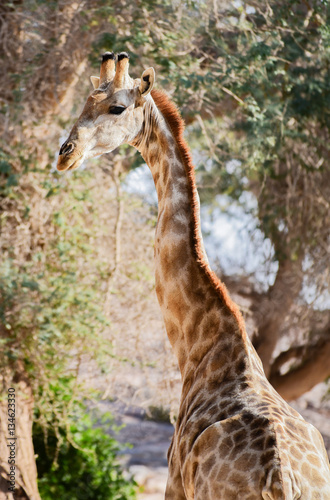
[[310, 372]]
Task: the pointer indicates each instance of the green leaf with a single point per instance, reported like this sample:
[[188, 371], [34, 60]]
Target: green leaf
[[32, 285]]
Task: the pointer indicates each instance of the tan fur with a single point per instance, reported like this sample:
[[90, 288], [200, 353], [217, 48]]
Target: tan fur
[[176, 125], [121, 73], [107, 71]]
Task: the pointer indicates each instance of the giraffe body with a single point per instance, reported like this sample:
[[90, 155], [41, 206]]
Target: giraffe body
[[247, 456], [235, 437]]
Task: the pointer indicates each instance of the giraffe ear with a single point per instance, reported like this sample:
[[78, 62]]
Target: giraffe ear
[[147, 81], [95, 81]]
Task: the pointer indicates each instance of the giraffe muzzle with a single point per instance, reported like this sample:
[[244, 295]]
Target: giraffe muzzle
[[69, 157]]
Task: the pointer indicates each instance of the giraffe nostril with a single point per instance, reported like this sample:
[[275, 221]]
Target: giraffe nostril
[[66, 148]]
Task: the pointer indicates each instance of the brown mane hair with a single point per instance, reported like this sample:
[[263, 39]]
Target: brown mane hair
[[173, 119]]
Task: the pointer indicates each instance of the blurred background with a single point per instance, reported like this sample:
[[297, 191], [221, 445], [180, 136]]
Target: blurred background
[[81, 336]]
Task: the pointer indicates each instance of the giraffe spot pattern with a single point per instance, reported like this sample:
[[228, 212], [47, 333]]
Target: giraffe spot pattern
[[226, 442]]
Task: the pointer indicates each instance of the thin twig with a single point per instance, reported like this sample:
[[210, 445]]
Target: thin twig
[[238, 99], [115, 176]]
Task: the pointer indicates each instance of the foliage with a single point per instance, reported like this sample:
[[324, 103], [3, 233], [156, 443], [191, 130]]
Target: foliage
[[80, 461], [274, 61], [52, 315], [50, 309]]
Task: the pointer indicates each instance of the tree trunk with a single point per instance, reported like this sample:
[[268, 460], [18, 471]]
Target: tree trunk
[[16, 444], [270, 311]]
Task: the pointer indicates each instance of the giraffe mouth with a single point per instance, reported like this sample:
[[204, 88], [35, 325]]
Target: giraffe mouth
[[75, 165], [63, 166]]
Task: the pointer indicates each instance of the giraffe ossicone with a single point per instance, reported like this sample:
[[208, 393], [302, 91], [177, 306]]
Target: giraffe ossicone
[[235, 437]]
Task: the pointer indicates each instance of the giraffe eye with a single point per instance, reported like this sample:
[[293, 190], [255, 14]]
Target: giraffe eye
[[116, 110]]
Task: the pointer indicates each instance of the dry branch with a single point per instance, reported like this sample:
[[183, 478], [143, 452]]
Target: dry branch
[[313, 369]]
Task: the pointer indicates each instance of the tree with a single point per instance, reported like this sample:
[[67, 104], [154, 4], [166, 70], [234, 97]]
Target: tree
[[273, 61]]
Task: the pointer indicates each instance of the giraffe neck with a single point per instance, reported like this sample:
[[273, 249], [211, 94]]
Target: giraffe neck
[[195, 305]]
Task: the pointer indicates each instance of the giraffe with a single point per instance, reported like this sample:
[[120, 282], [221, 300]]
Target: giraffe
[[235, 437]]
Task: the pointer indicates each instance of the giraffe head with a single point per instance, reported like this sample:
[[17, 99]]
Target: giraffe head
[[113, 113]]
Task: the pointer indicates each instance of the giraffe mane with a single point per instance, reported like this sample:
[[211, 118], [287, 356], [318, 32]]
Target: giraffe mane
[[176, 124]]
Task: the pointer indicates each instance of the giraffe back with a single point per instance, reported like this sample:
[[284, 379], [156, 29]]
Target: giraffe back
[[250, 446]]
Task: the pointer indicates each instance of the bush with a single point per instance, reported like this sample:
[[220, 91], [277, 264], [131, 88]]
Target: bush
[[80, 463]]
